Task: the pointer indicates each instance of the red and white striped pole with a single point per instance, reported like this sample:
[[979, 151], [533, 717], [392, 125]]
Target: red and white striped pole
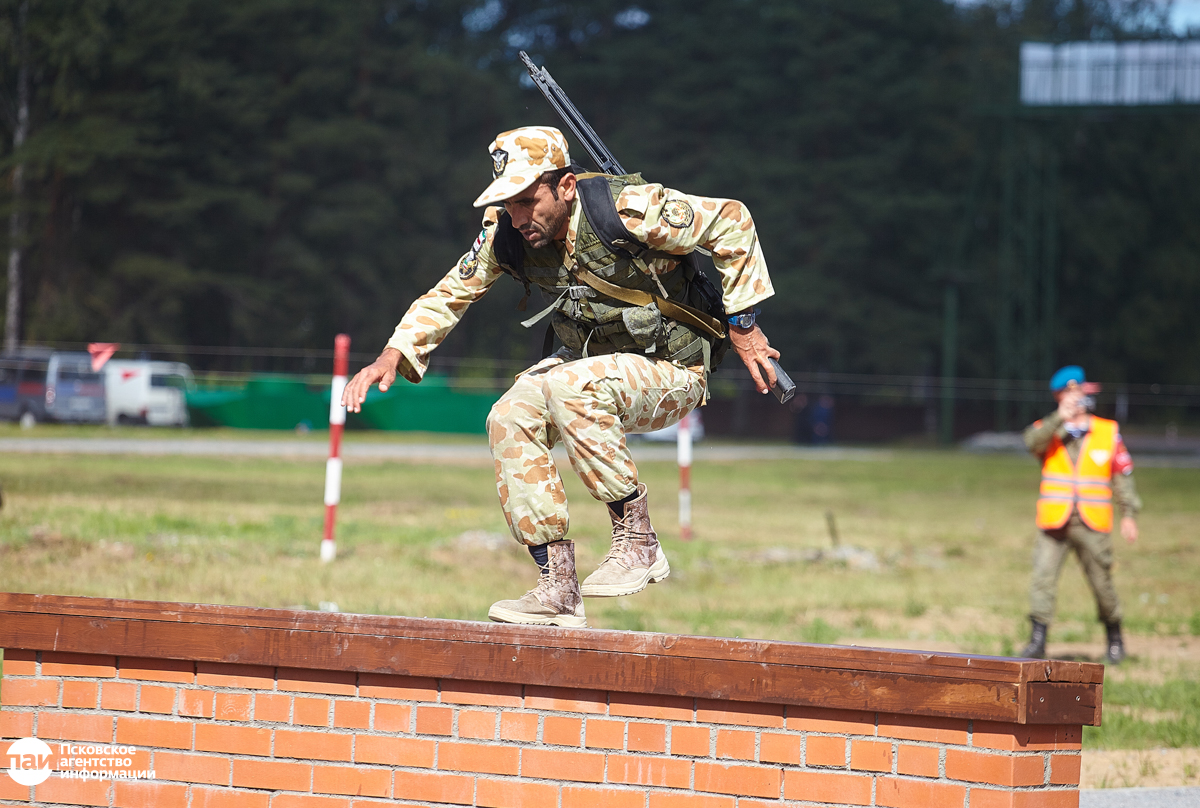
[[683, 444], [337, 420]]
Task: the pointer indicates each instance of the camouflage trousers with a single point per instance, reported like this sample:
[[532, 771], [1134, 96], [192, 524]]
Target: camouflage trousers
[[589, 404], [1095, 554]]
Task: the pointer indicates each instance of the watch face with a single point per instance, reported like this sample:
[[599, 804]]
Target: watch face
[[744, 320]]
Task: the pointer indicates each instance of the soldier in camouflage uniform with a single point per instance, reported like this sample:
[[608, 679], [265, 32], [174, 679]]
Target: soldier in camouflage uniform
[[624, 367]]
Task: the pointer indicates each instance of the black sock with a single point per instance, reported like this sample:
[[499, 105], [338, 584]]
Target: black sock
[[619, 505], [540, 554]]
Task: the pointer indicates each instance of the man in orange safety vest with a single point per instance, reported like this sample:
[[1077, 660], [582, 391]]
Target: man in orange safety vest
[[1086, 469]]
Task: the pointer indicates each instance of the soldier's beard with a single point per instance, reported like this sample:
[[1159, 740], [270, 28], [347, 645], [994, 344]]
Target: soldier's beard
[[552, 227]]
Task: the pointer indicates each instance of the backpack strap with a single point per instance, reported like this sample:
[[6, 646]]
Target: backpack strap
[[508, 247], [595, 194]]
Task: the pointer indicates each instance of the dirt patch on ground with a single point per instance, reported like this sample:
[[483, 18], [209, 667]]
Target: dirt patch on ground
[[1140, 768]]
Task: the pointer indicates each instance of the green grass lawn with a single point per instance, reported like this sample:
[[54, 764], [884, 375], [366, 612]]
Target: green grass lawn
[[944, 541]]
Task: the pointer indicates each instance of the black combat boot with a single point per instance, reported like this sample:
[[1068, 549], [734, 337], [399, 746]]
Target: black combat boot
[[1037, 641], [1116, 644]]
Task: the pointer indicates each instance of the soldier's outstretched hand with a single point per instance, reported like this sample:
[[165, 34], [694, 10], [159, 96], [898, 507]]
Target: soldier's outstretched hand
[[381, 371], [752, 346]]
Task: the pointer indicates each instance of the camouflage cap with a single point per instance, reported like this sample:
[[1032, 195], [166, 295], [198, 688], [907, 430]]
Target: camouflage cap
[[519, 157]]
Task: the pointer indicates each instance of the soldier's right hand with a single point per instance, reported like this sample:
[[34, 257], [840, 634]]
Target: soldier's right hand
[[381, 371]]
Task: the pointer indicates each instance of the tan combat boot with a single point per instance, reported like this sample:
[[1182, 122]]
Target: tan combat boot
[[635, 558], [555, 601]]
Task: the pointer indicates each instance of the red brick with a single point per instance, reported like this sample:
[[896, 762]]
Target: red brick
[[91, 666], [20, 725], [923, 761], [690, 740], [553, 764], [843, 789], [1062, 798], [897, 793], [1027, 737], [311, 712], [196, 703], [413, 752], [11, 790], [29, 693], [80, 694], [643, 737], [352, 714], [923, 728], [62, 726], [435, 720], [313, 745], [660, 799], [303, 801], [331, 683], [156, 699], [207, 769], [518, 726], [477, 757], [245, 677], [987, 798], [155, 732], [228, 798], [871, 756], [737, 744], [745, 714], [1064, 770], [515, 794], [396, 688], [272, 774], [643, 770], [479, 724], [482, 694], [73, 792], [393, 717], [233, 739], [273, 707], [560, 730], [129, 794], [352, 780], [433, 787], [998, 770], [179, 671], [776, 747], [825, 750], [604, 734], [816, 719], [20, 663], [233, 706], [581, 797], [566, 700], [120, 696], [648, 705], [748, 781]]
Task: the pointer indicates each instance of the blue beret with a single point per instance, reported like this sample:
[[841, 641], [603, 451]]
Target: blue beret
[[1065, 375]]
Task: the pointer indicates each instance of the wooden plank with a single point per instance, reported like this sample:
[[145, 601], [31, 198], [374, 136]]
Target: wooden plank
[[1064, 703]]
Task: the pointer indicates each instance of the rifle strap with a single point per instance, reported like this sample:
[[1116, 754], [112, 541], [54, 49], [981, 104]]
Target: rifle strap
[[669, 308]]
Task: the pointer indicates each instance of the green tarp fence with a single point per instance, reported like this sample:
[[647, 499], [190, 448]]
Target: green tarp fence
[[437, 404]]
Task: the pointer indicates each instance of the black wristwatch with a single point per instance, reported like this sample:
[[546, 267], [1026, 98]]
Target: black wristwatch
[[745, 319]]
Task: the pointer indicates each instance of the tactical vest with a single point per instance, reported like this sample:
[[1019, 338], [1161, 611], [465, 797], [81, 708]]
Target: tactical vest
[[590, 323], [1085, 484]]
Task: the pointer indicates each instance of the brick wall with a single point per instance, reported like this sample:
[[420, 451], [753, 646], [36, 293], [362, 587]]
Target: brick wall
[[217, 734]]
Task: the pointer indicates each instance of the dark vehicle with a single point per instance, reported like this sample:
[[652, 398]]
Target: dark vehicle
[[23, 385], [74, 392]]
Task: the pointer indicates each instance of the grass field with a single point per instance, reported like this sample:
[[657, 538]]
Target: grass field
[[938, 557]]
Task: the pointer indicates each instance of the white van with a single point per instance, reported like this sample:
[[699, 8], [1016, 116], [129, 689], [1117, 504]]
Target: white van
[[141, 391]]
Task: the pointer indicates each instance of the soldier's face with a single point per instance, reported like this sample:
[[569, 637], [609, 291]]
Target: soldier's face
[[539, 216]]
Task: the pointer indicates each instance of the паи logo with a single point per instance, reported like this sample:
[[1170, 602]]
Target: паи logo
[[29, 761]]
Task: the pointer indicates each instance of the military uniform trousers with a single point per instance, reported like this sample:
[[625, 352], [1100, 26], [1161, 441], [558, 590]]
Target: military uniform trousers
[[1095, 554], [589, 404]]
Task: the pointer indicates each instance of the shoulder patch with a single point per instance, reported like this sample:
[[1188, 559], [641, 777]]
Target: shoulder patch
[[470, 262], [678, 213]]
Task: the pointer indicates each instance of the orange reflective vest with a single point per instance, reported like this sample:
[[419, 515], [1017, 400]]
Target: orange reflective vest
[[1085, 485]]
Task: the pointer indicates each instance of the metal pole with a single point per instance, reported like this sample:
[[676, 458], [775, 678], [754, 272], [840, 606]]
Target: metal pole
[[949, 361], [337, 421], [683, 444]]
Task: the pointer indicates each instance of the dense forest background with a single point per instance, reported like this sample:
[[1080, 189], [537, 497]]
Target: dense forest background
[[272, 172]]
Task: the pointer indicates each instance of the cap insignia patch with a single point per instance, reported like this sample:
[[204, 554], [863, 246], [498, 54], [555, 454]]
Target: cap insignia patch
[[678, 213], [499, 162]]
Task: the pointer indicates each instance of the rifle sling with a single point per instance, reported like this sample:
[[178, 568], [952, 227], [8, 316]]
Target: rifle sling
[[669, 308]]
